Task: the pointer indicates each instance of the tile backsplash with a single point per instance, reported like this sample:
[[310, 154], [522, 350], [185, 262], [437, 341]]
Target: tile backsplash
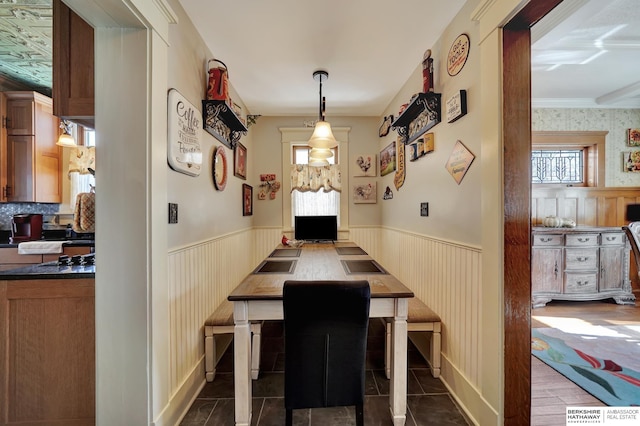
[[7, 210]]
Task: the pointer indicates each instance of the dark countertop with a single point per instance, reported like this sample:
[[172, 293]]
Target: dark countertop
[[48, 271], [69, 242], [577, 229]]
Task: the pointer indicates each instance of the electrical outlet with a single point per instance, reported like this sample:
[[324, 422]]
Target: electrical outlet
[[173, 213], [424, 209]]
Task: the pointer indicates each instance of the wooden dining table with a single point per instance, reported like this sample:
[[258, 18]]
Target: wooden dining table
[[259, 297]]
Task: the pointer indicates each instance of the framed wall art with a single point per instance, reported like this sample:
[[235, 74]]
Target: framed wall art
[[386, 125], [365, 165], [240, 161], [631, 161], [364, 193], [633, 137], [247, 200], [388, 159]]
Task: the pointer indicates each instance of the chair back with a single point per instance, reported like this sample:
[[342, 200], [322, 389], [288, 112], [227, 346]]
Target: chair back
[[633, 234], [325, 327]]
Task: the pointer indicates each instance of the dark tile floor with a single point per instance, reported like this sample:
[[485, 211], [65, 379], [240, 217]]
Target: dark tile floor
[[428, 402]]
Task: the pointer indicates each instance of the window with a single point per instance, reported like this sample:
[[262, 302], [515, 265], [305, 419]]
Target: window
[[313, 203], [81, 179], [557, 166], [567, 158]]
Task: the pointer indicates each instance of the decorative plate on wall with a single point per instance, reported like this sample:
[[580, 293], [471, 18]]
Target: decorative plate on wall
[[219, 168]]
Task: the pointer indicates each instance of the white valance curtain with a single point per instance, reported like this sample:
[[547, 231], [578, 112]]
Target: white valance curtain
[[311, 178]]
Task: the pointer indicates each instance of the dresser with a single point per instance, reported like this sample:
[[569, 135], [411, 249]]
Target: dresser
[[583, 263]]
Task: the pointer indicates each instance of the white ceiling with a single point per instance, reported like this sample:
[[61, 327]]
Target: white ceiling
[[369, 47], [586, 53]]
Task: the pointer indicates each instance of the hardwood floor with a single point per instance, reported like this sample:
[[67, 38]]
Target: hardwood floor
[[551, 392]]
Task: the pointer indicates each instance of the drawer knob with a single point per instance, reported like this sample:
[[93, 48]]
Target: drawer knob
[[545, 240], [611, 238], [582, 283], [583, 240], [582, 258]]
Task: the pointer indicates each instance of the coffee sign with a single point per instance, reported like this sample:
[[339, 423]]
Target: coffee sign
[[184, 123], [458, 54]]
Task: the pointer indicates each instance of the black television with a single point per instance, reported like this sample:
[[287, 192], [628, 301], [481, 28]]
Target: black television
[[316, 228]]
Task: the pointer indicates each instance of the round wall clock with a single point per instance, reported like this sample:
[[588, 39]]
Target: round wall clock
[[219, 168], [458, 54]]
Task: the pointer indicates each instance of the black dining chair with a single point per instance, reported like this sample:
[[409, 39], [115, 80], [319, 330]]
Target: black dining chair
[[325, 333]]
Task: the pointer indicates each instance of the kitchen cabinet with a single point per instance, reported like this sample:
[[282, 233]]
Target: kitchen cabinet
[[73, 67], [31, 160], [47, 361], [584, 263]]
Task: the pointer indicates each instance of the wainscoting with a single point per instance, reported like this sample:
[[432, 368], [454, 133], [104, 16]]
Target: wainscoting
[[446, 275], [587, 206]]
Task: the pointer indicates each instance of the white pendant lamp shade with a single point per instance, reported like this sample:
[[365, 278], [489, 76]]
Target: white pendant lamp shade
[[66, 140], [322, 136], [318, 157]]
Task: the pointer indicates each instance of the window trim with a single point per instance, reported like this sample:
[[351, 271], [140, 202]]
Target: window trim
[[593, 144]]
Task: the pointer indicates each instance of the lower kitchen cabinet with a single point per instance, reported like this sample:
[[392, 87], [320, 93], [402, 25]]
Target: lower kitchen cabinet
[[47, 364], [580, 264]]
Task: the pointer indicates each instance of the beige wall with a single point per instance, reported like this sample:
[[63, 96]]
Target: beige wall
[[267, 158], [203, 211], [454, 210]]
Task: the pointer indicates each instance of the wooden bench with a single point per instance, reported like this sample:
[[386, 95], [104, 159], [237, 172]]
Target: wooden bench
[[420, 318], [218, 333]]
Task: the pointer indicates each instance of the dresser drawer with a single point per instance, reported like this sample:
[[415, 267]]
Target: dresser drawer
[[581, 283], [581, 259], [582, 240], [547, 240], [613, 239]]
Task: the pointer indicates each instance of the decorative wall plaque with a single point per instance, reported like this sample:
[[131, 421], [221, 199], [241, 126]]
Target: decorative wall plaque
[[458, 54], [457, 106], [184, 122], [459, 161]]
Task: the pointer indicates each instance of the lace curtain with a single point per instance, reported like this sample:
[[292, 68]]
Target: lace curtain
[[81, 158], [310, 178], [307, 198]]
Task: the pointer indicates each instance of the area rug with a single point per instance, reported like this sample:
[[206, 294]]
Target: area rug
[[603, 361]]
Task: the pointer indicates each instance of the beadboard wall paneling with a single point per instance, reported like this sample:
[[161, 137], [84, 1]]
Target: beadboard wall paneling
[[200, 278], [265, 239], [447, 277]]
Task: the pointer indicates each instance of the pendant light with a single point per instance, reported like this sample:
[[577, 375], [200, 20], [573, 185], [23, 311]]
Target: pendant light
[[65, 138], [322, 140]]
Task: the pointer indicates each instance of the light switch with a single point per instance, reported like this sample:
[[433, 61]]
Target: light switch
[[424, 209], [173, 213]]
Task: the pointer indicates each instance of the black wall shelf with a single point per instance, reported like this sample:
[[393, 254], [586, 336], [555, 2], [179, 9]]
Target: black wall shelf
[[423, 113], [222, 123]]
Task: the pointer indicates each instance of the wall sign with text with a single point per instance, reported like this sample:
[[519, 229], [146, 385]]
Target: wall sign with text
[[458, 54], [457, 106], [184, 122]]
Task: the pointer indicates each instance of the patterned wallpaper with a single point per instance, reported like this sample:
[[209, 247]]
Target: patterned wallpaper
[[615, 121]]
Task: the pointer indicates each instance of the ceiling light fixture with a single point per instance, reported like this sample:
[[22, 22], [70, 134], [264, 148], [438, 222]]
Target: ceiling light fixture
[[322, 140], [65, 138]]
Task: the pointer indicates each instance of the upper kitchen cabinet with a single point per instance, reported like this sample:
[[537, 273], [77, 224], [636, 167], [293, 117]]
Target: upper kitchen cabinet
[[73, 68], [31, 165]]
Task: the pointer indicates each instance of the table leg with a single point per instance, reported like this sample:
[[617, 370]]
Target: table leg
[[398, 390], [242, 363]]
